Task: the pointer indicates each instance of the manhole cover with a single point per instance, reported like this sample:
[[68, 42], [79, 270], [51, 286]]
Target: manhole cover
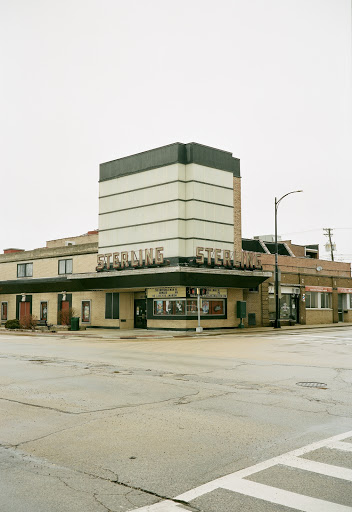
[[319, 385]]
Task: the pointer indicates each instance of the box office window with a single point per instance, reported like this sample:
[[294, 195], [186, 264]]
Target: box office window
[[85, 311], [25, 270], [65, 266], [4, 311], [112, 306], [182, 307], [44, 310]]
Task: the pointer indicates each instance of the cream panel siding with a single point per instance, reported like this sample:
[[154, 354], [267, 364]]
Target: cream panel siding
[[143, 215], [169, 213], [199, 210], [209, 193], [172, 248], [142, 179], [169, 229], [209, 175], [191, 245], [138, 198]]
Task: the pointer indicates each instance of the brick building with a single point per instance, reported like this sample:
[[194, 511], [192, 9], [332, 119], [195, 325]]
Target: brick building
[[169, 223]]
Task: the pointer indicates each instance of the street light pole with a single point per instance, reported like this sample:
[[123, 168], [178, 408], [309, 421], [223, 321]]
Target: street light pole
[[277, 323]]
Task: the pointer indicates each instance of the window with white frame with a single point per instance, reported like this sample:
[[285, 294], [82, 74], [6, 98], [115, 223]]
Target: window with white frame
[[65, 266], [318, 300], [325, 300], [25, 270]]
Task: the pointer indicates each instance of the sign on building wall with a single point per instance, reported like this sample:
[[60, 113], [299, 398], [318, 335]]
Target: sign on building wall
[[205, 256], [165, 292], [326, 289], [209, 293]]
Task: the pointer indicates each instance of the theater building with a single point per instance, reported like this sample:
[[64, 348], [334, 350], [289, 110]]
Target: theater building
[[169, 224]]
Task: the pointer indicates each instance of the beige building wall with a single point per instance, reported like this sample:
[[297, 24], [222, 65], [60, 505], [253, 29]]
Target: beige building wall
[[89, 238], [47, 265], [319, 316], [11, 305]]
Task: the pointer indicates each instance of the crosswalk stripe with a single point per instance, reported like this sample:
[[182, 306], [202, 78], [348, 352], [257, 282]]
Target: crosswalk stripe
[[339, 445], [319, 467], [234, 481], [284, 498]]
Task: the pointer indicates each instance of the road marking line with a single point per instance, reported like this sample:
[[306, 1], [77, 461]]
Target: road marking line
[[346, 447], [284, 498], [318, 467], [227, 481], [163, 506]]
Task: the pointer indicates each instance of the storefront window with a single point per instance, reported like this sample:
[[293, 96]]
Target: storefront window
[[192, 308], [182, 307], [325, 301], [170, 307], [318, 300], [311, 300], [350, 301], [285, 306]]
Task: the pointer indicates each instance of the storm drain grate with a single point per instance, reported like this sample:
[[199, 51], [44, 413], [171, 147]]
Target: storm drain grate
[[319, 385]]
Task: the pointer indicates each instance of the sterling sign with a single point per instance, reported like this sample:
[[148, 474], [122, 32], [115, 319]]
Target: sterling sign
[[205, 256], [140, 258], [227, 258]]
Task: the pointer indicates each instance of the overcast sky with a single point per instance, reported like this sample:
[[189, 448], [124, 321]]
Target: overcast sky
[[88, 81]]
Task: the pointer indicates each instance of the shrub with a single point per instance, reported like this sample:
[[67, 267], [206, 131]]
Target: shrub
[[28, 322], [12, 324], [66, 315]]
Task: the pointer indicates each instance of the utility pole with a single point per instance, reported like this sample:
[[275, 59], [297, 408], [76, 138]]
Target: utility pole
[[328, 233]]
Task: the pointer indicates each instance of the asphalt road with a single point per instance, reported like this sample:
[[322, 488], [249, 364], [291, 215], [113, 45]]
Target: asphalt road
[[213, 424]]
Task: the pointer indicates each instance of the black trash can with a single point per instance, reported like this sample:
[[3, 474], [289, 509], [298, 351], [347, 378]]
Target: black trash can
[[75, 323]]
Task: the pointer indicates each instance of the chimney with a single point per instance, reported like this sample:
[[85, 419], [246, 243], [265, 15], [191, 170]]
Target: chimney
[[8, 251]]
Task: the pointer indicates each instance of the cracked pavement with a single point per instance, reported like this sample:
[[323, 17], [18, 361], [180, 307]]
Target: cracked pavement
[[113, 425]]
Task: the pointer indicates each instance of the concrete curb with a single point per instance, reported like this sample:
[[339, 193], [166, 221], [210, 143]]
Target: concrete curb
[[149, 334]]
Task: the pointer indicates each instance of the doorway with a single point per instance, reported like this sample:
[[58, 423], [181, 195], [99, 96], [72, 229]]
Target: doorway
[[140, 314], [340, 305], [25, 309]]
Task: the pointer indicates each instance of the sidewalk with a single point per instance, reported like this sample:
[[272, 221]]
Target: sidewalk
[[132, 334]]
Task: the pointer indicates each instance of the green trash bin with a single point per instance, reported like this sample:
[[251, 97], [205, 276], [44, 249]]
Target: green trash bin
[[75, 323]]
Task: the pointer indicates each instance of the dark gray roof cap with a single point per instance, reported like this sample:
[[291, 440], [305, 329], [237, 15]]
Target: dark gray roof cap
[[171, 154]]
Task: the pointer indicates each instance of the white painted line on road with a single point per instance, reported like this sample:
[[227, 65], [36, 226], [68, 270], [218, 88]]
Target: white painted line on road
[[226, 482], [318, 467], [163, 506], [284, 498], [345, 447]]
